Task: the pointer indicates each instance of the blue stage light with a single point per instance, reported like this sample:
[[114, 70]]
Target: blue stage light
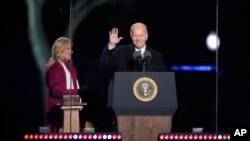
[[193, 68]]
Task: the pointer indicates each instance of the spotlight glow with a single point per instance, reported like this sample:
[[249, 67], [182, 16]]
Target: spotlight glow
[[212, 41]]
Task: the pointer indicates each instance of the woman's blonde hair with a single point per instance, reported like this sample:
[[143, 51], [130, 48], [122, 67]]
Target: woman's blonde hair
[[60, 44]]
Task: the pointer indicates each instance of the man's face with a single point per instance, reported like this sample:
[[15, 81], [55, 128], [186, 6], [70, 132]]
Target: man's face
[[139, 36]]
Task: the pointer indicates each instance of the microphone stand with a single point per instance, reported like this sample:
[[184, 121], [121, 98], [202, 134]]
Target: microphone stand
[[144, 62], [143, 65]]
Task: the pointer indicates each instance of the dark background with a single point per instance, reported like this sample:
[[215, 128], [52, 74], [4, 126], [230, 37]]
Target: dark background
[[177, 29]]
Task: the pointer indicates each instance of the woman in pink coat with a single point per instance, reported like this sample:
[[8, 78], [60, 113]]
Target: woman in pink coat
[[61, 79]]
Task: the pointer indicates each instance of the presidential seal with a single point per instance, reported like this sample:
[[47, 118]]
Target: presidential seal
[[145, 89]]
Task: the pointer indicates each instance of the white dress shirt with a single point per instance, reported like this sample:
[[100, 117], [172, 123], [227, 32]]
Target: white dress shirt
[[142, 50]]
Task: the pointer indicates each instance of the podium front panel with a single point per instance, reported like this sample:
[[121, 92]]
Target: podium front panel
[[123, 99]]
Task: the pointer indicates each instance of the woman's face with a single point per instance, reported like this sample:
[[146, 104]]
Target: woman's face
[[66, 54]]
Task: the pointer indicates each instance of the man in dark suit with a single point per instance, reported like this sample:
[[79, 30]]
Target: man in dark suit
[[122, 58]]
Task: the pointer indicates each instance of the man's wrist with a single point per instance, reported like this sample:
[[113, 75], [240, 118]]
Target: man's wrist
[[111, 46]]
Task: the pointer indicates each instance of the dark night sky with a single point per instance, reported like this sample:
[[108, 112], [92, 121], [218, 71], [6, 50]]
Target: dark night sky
[[176, 28]]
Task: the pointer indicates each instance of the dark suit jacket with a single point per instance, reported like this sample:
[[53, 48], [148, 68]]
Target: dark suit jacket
[[121, 59]]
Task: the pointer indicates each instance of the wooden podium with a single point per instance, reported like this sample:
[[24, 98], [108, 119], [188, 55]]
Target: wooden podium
[[144, 103], [143, 128], [71, 106]]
